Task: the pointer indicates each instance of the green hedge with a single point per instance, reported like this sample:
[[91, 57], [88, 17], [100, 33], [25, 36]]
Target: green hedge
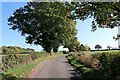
[[111, 64], [22, 72], [108, 66], [14, 60]]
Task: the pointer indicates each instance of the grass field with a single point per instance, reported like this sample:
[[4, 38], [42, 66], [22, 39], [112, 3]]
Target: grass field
[[105, 51]]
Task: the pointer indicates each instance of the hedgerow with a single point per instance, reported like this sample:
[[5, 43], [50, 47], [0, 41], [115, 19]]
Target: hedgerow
[[101, 66], [14, 60]]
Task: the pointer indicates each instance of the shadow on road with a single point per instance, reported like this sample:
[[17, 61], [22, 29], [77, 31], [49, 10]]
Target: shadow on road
[[75, 75]]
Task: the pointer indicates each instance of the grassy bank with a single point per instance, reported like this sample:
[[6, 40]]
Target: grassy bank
[[92, 66], [24, 70]]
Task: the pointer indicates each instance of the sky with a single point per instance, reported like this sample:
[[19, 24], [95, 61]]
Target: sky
[[104, 37]]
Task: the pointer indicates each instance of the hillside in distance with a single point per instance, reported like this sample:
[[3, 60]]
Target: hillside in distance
[[15, 49]]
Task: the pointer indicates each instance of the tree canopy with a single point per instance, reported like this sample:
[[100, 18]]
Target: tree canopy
[[51, 24], [109, 47], [98, 46], [44, 23], [87, 47], [104, 14]]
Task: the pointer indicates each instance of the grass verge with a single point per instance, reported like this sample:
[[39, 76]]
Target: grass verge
[[101, 66], [85, 72]]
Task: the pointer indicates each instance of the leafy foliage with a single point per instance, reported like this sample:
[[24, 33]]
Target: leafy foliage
[[44, 23], [80, 47], [104, 14], [71, 44]]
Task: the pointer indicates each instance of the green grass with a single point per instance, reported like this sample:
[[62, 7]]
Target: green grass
[[3, 55], [105, 51], [77, 66], [24, 70], [17, 54]]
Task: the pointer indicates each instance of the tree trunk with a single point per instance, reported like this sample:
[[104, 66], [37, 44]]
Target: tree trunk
[[50, 54], [69, 49], [55, 50]]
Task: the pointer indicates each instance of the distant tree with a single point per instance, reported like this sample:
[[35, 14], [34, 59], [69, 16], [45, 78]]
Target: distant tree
[[72, 44], [98, 46], [87, 47], [5, 51], [1, 50], [82, 47], [109, 47], [65, 36]]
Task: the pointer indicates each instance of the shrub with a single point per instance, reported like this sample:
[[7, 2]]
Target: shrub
[[111, 63]]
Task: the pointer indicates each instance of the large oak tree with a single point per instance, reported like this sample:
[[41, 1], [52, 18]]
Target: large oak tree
[[44, 23]]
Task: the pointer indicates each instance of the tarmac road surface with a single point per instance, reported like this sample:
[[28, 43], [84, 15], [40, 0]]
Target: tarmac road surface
[[56, 68]]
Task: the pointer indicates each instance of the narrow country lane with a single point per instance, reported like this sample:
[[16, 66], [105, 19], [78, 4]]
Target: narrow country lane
[[55, 68]]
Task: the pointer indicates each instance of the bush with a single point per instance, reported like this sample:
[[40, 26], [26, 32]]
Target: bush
[[110, 63]]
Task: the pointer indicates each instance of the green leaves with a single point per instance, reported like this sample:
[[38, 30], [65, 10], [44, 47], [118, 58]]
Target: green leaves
[[105, 14], [44, 23]]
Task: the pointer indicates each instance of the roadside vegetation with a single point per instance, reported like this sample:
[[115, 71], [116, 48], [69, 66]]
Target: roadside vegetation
[[96, 66], [14, 60], [51, 25], [15, 66], [17, 62]]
